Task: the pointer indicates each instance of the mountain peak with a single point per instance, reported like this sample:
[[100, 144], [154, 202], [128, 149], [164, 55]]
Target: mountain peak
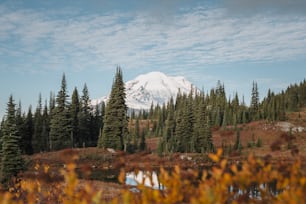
[[154, 74], [154, 87]]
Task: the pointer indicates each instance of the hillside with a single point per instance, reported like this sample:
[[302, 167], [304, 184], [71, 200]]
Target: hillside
[[105, 165], [269, 132]]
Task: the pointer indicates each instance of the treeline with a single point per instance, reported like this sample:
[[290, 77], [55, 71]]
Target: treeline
[[63, 122], [185, 125]]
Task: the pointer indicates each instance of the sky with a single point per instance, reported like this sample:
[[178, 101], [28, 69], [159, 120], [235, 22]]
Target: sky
[[234, 41]]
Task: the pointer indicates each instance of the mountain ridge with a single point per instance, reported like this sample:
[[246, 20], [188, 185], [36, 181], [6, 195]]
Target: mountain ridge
[[152, 88]]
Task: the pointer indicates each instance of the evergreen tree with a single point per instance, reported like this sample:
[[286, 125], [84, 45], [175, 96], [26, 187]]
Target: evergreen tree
[[282, 108], [161, 147], [74, 114], [151, 111], [136, 133], [293, 99], [244, 112], [96, 123], [184, 125], [208, 136], [20, 123], [201, 128], [11, 160], [181, 128], [26, 137], [190, 122], [236, 110], [40, 136], [115, 128], [220, 103], [84, 118], [142, 144], [45, 129], [60, 127], [217, 117], [37, 139], [170, 126], [52, 102], [302, 93], [225, 117], [254, 107], [101, 120]]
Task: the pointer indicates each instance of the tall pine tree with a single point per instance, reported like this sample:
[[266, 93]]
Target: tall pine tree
[[84, 118], [11, 160], [115, 128], [96, 124], [26, 137], [60, 128], [183, 130], [208, 137], [37, 140], [74, 113], [200, 127], [254, 107], [170, 128]]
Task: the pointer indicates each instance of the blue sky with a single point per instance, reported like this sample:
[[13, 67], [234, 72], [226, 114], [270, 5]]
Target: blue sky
[[235, 41]]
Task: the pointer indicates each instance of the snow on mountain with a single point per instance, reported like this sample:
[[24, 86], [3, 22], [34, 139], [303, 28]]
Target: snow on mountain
[[153, 87]]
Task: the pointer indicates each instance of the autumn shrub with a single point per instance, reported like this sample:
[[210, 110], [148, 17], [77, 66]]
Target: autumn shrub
[[252, 181]]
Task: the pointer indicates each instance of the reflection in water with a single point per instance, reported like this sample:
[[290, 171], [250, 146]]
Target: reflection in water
[[149, 179], [254, 191]]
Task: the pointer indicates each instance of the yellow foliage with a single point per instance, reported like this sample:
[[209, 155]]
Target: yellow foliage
[[223, 183]]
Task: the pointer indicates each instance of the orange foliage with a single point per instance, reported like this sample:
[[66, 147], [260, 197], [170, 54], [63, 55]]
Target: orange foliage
[[223, 183]]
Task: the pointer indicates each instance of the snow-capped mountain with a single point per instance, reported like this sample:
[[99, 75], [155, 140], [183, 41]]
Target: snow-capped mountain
[[153, 87]]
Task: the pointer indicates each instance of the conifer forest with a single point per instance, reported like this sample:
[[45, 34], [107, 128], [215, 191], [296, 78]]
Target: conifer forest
[[185, 125]]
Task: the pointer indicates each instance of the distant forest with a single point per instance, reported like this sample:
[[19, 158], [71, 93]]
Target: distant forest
[[183, 125]]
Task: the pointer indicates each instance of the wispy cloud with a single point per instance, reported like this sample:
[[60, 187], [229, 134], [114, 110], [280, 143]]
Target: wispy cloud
[[251, 7], [193, 39]]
